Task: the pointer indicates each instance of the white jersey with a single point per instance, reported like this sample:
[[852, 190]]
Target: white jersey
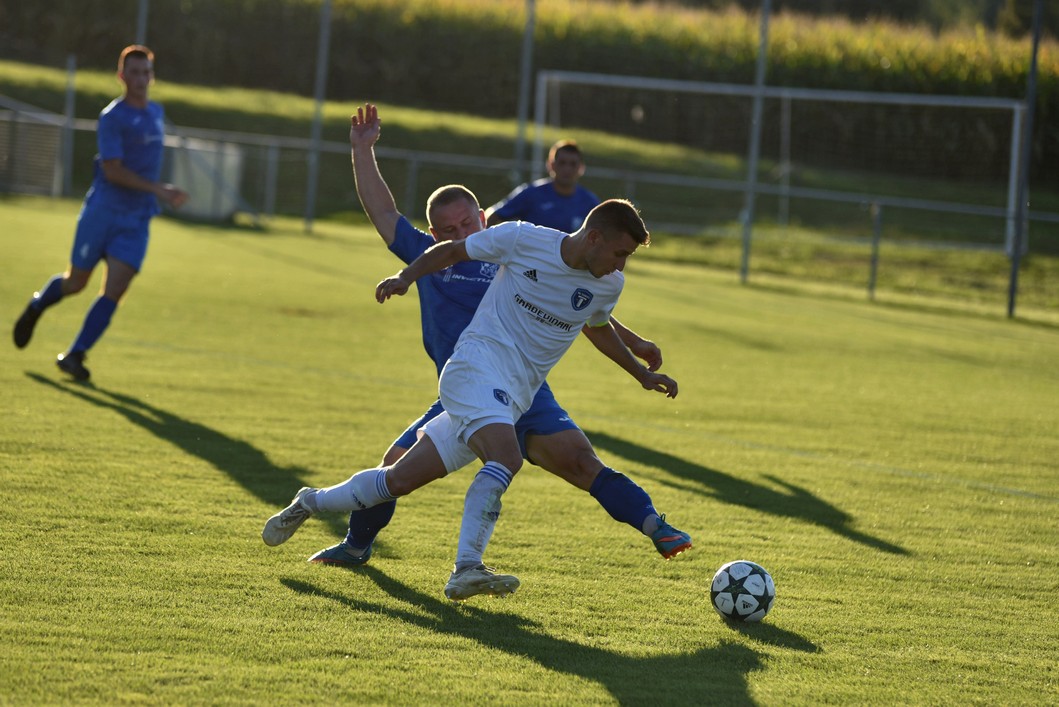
[[534, 308]]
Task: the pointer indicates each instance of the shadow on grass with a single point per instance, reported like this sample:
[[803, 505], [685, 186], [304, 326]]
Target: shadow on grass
[[793, 502], [710, 675], [241, 461], [944, 304]]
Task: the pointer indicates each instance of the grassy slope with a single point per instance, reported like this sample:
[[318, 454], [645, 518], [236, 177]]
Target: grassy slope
[[829, 247], [893, 466]]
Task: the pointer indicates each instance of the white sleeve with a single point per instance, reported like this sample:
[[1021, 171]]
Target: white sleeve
[[494, 245]]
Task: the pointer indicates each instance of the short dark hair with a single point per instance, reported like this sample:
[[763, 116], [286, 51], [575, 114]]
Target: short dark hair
[[618, 216], [565, 146], [136, 50], [450, 194]]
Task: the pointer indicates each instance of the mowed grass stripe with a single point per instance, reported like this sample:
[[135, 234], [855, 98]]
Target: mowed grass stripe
[[855, 450]]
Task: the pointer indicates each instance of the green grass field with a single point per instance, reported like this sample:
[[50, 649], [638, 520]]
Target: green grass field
[[892, 464], [824, 245]]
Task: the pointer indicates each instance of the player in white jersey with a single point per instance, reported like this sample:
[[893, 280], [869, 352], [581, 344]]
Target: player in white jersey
[[588, 264], [551, 287]]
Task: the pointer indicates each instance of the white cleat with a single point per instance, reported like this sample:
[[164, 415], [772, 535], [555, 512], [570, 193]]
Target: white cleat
[[471, 581], [281, 526]]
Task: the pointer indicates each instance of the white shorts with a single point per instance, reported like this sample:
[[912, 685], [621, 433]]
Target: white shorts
[[472, 396], [442, 432]]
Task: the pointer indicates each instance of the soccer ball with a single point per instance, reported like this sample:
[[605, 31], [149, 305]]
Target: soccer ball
[[742, 591]]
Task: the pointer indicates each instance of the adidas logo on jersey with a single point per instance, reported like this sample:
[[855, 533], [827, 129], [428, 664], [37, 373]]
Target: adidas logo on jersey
[[531, 274]]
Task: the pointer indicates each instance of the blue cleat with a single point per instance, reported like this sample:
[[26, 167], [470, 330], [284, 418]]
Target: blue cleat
[[669, 541], [341, 555]]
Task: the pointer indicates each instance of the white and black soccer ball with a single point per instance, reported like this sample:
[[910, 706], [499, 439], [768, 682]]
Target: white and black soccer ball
[[742, 591]]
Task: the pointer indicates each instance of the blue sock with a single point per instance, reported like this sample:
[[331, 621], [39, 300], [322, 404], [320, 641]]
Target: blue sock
[[96, 322], [622, 498], [365, 525], [51, 293]]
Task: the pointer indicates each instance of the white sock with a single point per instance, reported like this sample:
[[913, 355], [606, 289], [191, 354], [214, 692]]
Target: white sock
[[481, 509], [362, 490], [650, 524]]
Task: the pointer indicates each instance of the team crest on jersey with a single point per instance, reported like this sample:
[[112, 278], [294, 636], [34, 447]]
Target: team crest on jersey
[[580, 299], [501, 396], [489, 270]]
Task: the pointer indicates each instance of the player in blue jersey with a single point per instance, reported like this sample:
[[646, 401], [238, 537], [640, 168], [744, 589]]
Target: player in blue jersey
[[114, 219], [556, 201], [448, 300]]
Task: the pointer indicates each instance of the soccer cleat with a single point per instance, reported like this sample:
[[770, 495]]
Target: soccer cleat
[[341, 555], [74, 364], [24, 326], [468, 582], [281, 526], [669, 541]]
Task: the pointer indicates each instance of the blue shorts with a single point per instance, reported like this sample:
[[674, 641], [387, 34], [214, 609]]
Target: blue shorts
[[544, 417], [103, 232]]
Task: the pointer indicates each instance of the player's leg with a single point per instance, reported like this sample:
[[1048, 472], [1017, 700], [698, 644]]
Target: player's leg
[[124, 245], [483, 416], [116, 282], [552, 441], [496, 446], [365, 524], [58, 286], [89, 238], [365, 489]]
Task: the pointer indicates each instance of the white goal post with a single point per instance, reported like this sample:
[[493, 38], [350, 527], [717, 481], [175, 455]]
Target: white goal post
[[547, 112]]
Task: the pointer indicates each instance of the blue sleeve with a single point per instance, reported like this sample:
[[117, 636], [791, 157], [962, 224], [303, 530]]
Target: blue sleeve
[[108, 136], [408, 241]]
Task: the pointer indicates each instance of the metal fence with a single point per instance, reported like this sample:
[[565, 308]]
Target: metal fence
[[262, 176]]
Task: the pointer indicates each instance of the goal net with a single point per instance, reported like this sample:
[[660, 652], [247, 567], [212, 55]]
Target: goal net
[[941, 168]]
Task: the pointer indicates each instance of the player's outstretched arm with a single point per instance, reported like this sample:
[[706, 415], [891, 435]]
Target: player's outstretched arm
[[606, 339], [642, 348], [364, 130], [436, 257]]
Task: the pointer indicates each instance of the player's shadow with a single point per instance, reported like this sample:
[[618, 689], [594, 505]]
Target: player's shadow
[[711, 675], [792, 502], [241, 461]]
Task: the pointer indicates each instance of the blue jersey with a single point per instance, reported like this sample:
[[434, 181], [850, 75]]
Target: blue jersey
[[447, 299], [447, 303], [540, 204], [135, 136]]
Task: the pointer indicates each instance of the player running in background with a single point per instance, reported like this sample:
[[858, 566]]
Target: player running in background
[[117, 210], [547, 435], [556, 201]]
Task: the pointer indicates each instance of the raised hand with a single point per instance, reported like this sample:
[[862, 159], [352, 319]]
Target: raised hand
[[364, 126]]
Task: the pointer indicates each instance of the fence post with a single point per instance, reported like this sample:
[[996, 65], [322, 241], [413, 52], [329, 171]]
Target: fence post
[[755, 140], [785, 161], [66, 143], [876, 236], [271, 177]]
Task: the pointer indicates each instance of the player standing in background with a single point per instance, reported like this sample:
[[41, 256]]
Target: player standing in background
[[448, 300], [557, 201], [117, 210]]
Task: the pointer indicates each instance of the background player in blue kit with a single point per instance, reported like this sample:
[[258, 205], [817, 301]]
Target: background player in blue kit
[[448, 300], [117, 210], [556, 201]]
